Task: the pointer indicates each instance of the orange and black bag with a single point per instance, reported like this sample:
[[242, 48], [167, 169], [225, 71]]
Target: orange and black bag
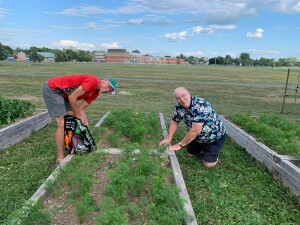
[[78, 138]]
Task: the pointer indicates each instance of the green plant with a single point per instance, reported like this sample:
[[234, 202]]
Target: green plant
[[29, 214], [11, 109], [273, 130]]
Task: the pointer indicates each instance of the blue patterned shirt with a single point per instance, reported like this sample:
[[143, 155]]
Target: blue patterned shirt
[[201, 111]]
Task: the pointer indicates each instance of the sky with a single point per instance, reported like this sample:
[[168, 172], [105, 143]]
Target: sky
[[262, 28]]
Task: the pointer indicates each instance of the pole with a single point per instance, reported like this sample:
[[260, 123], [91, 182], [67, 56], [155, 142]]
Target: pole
[[296, 90], [286, 84]]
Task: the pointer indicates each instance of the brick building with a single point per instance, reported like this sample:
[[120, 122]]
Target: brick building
[[122, 56], [117, 56]]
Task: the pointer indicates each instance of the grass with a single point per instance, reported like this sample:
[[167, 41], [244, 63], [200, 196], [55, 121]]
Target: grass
[[135, 191], [238, 191], [149, 89], [273, 130]]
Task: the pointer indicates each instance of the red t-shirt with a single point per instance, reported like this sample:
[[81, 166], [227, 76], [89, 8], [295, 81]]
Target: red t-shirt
[[65, 85]]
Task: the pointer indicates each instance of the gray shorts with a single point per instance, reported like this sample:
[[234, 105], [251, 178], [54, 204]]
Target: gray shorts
[[56, 104]]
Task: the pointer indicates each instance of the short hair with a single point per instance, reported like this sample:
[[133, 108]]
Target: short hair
[[179, 88]]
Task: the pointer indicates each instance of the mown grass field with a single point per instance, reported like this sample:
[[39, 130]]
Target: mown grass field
[[238, 190]]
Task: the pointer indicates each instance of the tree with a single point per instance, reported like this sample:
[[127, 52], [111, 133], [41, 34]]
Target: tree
[[245, 59], [2, 52], [35, 57], [220, 60], [213, 60], [71, 54], [60, 56], [135, 51], [84, 56], [180, 56], [292, 61], [228, 60]]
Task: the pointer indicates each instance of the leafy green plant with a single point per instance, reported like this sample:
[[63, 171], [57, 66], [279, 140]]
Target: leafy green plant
[[11, 109]]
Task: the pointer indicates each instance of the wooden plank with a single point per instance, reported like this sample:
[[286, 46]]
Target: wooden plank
[[283, 173], [290, 168], [165, 132], [102, 119], [279, 158], [43, 190], [179, 179], [278, 165], [19, 131]]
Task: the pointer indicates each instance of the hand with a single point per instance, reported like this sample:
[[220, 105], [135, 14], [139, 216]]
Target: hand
[[175, 147], [163, 142]]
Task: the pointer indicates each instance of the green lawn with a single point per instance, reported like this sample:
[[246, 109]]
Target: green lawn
[[237, 191]]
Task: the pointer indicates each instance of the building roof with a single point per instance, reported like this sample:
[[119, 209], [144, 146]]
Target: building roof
[[47, 54], [124, 51]]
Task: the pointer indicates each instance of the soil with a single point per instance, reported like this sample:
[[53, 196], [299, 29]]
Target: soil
[[63, 212]]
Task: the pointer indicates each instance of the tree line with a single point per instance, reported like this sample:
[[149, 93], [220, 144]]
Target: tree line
[[66, 55], [69, 55], [243, 60]]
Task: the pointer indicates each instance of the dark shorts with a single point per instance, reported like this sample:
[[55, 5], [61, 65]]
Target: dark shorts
[[56, 104], [209, 151]]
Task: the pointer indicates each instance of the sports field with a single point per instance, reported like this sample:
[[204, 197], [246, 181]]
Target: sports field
[[237, 191]]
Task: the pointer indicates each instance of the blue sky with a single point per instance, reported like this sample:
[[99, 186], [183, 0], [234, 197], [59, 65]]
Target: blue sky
[[264, 28]]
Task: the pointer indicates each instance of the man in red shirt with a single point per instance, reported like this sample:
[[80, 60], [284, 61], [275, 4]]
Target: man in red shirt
[[61, 95]]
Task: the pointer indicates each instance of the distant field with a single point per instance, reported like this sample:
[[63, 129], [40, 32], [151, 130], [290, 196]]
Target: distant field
[[146, 87]]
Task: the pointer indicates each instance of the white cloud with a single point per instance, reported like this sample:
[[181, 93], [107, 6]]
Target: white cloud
[[197, 30], [176, 36], [264, 52], [285, 6], [3, 12], [151, 20], [211, 28], [136, 21], [92, 26], [201, 30], [297, 7], [111, 45], [196, 53], [83, 10], [74, 44], [259, 33]]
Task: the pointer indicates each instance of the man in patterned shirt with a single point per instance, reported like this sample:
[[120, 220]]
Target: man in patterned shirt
[[61, 95], [206, 132]]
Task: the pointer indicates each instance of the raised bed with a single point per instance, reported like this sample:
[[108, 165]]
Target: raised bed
[[43, 191], [280, 166], [19, 131]]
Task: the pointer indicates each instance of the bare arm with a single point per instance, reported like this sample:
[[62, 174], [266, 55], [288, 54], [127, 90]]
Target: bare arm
[[172, 130], [82, 106], [77, 109], [190, 136]]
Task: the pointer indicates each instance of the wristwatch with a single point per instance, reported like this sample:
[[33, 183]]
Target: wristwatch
[[180, 145]]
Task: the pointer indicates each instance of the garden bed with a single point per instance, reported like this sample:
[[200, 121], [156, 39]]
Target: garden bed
[[281, 166], [130, 187], [18, 131]]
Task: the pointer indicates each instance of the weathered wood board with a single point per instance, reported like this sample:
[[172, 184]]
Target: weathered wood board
[[279, 165], [19, 131]]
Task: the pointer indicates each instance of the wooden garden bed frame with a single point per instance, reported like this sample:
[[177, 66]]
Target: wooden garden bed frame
[[19, 131], [280, 166]]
